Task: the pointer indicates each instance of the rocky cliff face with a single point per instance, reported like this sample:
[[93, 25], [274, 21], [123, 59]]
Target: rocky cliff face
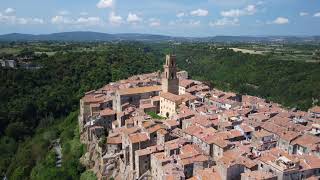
[[103, 165]]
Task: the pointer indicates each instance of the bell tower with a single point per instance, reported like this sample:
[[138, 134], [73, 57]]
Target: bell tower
[[170, 82]]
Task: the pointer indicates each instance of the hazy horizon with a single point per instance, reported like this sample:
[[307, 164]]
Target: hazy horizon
[[240, 35], [187, 18]]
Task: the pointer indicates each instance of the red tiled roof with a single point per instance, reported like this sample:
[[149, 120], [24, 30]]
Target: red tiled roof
[[114, 140], [107, 112], [315, 109], [139, 90], [171, 97], [138, 137], [307, 140]]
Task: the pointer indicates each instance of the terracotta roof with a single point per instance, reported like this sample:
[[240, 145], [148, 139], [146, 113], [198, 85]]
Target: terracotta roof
[[162, 132], [185, 82], [161, 157], [114, 140], [196, 158], [273, 154], [202, 121], [138, 137], [95, 105], [149, 150], [273, 128], [232, 157], [107, 112], [185, 114], [129, 130], [92, 98], [189, 150], [289, 135], [315, 109], [192, 129], [199, 87], [221, 143], [139, 90], [171, 97], [310, 162], [174, 144], [235, 133], [207, 174], [147, 124], [307, 140], [155, 128], [156, 98], [188, 97], [246, 128], [281, 121], [171, 123], [261, 133], [258, 175], [147, 106]]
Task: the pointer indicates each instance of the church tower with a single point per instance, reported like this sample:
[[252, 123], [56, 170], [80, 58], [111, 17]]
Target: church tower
[[170, 82]]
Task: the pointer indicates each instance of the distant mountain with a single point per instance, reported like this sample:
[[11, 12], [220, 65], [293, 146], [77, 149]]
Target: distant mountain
[[84, 36], [81, 36]]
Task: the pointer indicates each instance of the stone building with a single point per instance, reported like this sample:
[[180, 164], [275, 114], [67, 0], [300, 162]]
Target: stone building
[[169, 104], [133, 96], [170, 82], [258, 175]]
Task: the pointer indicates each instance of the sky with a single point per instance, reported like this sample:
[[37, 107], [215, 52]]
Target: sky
[[196, 18]]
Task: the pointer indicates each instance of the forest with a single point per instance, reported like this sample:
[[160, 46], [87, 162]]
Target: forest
[[39, 106]]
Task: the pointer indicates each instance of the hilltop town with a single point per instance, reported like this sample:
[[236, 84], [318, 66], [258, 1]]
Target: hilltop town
[[165, 126]]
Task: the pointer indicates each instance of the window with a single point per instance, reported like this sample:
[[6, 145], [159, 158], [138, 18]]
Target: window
[[270, 170]]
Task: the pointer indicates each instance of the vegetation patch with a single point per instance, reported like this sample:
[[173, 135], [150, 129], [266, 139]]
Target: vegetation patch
[[155, 115]]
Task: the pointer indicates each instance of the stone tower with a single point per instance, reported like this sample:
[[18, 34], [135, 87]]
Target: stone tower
[[170, 82]]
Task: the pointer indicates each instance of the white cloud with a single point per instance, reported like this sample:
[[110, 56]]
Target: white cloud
[[249, 10], [133, 18], [7, 19], [260, 2], [199, 12], [13, 20], [83, 21], [38, 21], [225, 22], [185, 23], [303, 14], [194, 23], [84, 14], [317, 14], [63, 12], [280, 20], [89, 21], [105, 3], [114, 19], [154, 22], [9, 10], [181, 14], [60, 20]]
